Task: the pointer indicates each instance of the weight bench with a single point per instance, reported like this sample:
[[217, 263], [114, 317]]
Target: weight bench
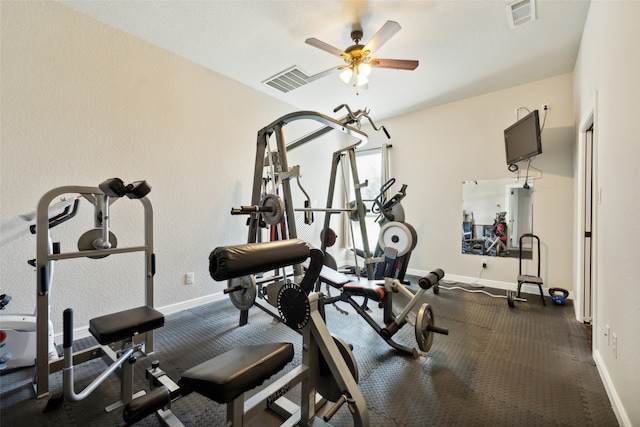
[[382, 293], [224, 379], [327, 371], [109, 329]]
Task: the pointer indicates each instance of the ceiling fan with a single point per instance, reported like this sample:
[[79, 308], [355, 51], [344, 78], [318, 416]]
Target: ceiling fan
[[358, 57]]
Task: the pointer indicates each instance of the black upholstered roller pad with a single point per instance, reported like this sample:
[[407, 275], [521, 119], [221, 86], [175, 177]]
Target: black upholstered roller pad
[[123, 324], [228, 262], [230, 374]]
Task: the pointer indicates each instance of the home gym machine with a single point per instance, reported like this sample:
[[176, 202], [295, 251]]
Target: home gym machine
[[328, 367], [18, 331], [396, 241], [96, 243], [272, 203]]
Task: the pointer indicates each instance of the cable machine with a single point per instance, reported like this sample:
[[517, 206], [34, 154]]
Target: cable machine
[[278, 209]]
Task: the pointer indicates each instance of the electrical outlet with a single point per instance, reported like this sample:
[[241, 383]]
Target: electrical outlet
[[545, 107], [484, 263], [614, 345], [608, 334], [188, 279]]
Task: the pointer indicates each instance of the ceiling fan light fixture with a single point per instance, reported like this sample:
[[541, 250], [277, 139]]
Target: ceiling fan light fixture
[[357, 57], [364, 69], [345, 76]]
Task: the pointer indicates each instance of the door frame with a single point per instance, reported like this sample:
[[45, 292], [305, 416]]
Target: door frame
[[588, 197]]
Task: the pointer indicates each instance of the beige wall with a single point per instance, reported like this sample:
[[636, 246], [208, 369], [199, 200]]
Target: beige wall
[[606, 83], [435, 150], [82, 102]]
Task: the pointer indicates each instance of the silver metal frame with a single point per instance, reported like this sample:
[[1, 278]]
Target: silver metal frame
[[44, 367], [261, 161]]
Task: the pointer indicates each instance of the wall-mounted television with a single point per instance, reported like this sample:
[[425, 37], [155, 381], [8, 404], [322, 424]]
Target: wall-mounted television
[[522, 139]]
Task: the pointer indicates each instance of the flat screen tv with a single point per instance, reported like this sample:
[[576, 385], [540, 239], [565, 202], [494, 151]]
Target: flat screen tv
[[522, 139]]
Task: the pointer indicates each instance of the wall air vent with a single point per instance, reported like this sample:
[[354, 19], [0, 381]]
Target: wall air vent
[[521, 12], [288, 80]]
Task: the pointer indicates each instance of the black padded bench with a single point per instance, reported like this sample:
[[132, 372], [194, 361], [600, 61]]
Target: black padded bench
[[125, 324], [373, 291], [227, 376]]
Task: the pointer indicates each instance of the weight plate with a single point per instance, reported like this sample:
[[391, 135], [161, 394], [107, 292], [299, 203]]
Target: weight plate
[[328, 237], [397, 235], [353, 213], [424, 319], [327, 385], [244, 298], [276, 205], [511, 297], [85, 242], [293, 306]]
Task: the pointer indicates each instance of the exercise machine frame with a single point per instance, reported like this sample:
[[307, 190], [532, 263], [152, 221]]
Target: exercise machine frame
[[392, 320], [101, 202], [285, 174], [301, 310]]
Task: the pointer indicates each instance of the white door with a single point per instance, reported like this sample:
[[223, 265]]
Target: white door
[[587, 276]]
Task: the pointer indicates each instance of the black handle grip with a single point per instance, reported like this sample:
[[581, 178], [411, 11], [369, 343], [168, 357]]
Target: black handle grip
[[67, 323], [232, 289], [244, 210], [438, 330]]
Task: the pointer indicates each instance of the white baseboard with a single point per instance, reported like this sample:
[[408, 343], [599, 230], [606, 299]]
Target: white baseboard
[[196, 302], [616, 404]]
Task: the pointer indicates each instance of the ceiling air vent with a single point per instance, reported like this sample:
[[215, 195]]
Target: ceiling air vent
[[521, 12], [287, 80]]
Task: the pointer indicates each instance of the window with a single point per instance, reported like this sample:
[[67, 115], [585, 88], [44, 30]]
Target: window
[[372, 167]]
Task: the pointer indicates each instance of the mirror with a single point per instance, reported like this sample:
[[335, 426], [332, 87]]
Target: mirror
[[495, 213]]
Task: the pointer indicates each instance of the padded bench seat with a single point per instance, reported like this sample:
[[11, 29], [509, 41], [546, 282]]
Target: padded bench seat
[[124, 324], [373, 290], [229, 375]]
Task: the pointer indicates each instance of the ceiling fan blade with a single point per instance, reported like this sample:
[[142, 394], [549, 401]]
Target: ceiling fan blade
[[398, 64], [324, 46], [383, 35], [322, 74]]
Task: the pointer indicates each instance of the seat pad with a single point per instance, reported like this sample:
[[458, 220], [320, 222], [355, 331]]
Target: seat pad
[[372, 290], [229, 375], [124, 324]]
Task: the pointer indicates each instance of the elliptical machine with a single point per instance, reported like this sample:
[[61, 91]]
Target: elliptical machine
[[396, 238]]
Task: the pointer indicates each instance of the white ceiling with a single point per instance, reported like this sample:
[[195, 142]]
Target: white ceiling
[[465, 48]]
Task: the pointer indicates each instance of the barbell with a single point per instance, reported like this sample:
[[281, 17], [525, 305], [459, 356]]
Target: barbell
[[510, 294], [272, 209]]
